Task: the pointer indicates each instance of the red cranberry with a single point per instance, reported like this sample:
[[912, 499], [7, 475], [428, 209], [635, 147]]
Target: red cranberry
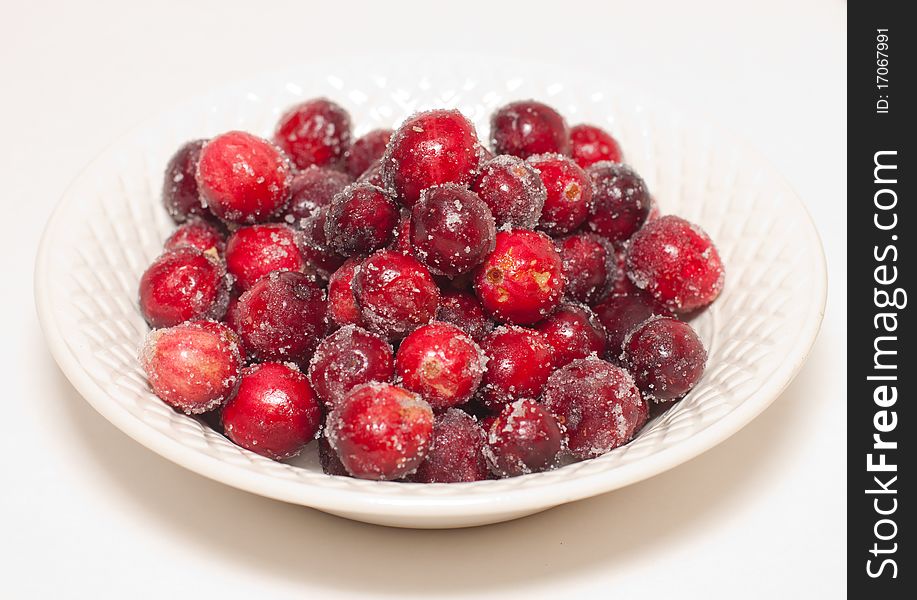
[[677, 263], [452, 230], [373, 175], [179, 188], [573, 332], [621, 313], [569, 197], [342, 305], [519, 362], [230, 317], [362, 218], [524, 438], [320, 258], [275, 413], [253, 252], [589, 267], [381, 431], [513, 191], [199, 234], [666, 358], [464, 310], [395, 293], [430, 148], [622, 283], [597, 403], [347, 358], [183, 284], [328, 459], [402, 241], [281, 317], [457, 452], [312, 189], [622, 201], [366, 150], [315, 132], [593, 144], [441, 363], [522, 280], [527, 128], [193, 367], [243, 178]]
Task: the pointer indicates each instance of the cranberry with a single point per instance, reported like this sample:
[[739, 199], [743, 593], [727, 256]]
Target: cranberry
[[193, 367], [312, 189], [573, 332], [342, 306], [230, 317], [452, 230], [347, 358], [666, 358], [569, 198], [522, 280], [179, 187], [395, 293], [526, 128], [622, 201], [275, 412], [281, 317], [677, 263], [513, 191], [380, 431], [519, 362], [598, 404], [243, 178], [593, 144], [441, 363], [373, 175], [320, 258], [199, 234], [183, 284], [589, 267], [621, 313], [464, 310], [457, 452], [430, 148], [328, 459], [362, 218], [365, 151], [622, 283], [524, 438], [253, 252], [315, 132], [402, 241]]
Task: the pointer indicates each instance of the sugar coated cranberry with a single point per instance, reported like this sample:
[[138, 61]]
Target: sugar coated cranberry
[[590, 268], [181, 285], [622, 283], [373, 175], [281, 317], [569, 197], [194, 367], [313, 188], [328, 459], [513, 191], [365, 151], [522, 280], [430, 148], [253, 252], [320, 258], [402, 241], [362, 218], [524, 438], [519, 362], [457, 452], [622, 312], [275, 412], [452, 230], [342, 305], [179, 188], [440, 362], [598, 404], [395, 293], [622, 201], [593, 144], [677, 263], [347, 358], [526, 128], [315, 132], [573, 332], [199, 234], [666, 358], [464, 310], [380, 431]]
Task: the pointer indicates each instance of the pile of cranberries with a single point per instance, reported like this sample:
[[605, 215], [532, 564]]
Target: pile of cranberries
[[428, 309]]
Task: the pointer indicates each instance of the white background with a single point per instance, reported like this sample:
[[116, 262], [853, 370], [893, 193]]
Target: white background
[[85, 509]]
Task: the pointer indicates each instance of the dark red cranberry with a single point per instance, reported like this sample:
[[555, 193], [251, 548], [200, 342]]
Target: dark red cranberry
[[320, 258], [593, 144], [522, 280], [243, 178], [395, 293], [253, 252], [366, 150], [315, 132], [526, 128], [573, 332], [193, 367], [569, 197], [621, 313], [430, 148], [275, 412], [347, 358], [342, 305], [328, 459], [589, 267], [519, 362], [199, 234], [381, 431], [666, 358], [597, 403], [281, 317], [622, 202], [677, 263], [373, 175], [312, 189], [452, 230], [362, 218], [457, 452], [464, 310], [513, 191], [179, 188], [524, 438], [402, 241], [181, 285]]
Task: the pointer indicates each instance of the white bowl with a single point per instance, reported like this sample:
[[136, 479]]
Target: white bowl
[[109, 226]]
